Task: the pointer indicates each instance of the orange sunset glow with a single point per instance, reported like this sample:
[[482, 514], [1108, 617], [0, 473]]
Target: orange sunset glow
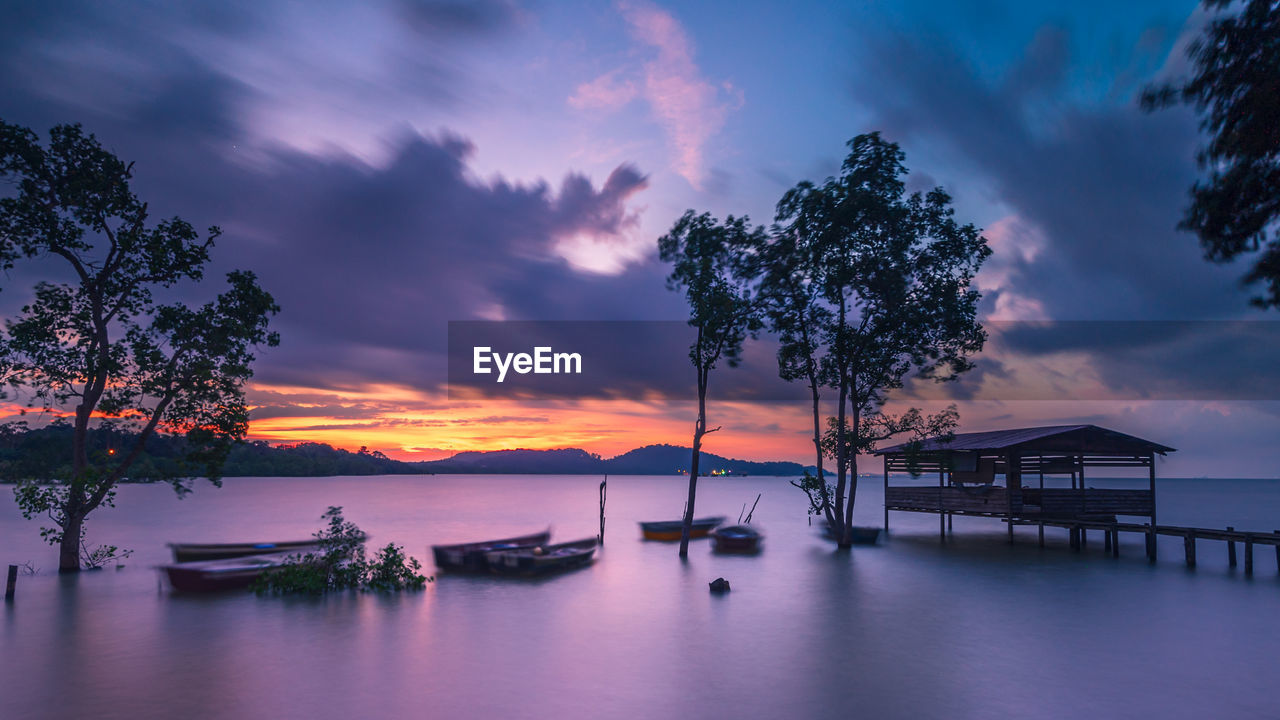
[[407, 424]]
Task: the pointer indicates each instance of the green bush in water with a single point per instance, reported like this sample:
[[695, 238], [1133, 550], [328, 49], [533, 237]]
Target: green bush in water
[[340, 564]]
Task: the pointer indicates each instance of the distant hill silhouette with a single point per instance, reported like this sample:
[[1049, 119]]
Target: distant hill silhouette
[[44, 453], [648, 460]]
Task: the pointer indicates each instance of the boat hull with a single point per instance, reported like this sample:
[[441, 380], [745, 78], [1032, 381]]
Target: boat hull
[[472, 557], [220, 575], [860, 535], [736, 540], [199, 552], [670, 530], [541, 560]]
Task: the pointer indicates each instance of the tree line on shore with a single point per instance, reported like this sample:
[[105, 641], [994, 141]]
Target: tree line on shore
[[40, 455]]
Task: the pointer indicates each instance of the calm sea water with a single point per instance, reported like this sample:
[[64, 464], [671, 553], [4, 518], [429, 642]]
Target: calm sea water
[[972, 628]]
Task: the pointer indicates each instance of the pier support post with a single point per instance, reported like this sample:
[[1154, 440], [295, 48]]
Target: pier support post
[[1151, 543], [1189, 548], [1277, 532], [886, 495], [1041, 533], [1231, 549], [1084, 537], [1115, 542], [1248, 556], [1013, 487], [1073, 538], [942, 516], [1106, 541], [11, 585]]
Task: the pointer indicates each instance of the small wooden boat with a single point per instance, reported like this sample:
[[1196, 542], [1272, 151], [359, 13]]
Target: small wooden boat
[[860, 535], [192, 552], [218, 575], [543, 560], [741, 539], [470, 557], [668, 530]]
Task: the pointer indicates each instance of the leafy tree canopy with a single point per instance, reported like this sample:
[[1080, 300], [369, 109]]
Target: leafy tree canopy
[[99, 341], [1235, 89]]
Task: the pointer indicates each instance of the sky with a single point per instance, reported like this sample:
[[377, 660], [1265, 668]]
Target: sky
[[390, 166]]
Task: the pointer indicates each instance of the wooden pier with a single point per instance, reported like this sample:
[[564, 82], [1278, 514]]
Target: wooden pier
[[1078, 532], [967, 465]]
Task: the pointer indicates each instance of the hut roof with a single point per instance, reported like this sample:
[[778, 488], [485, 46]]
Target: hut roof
[[1087, 439]]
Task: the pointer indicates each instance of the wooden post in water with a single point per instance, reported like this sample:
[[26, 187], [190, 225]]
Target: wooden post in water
[[886, 493], [1115, 542], [604, 484], [1013, 484], [11, 585], [942, 516], [1231, 549], [1041, 523], [1152, 547], [1189, 548], [1106, 541], [1277, 532], [1248, 556]]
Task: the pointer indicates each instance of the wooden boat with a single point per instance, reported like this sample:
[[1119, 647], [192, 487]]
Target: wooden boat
[[670, 529], [192, 552], [860, 535], [218, 575], [543, 559], [470, 557], [742, 539]]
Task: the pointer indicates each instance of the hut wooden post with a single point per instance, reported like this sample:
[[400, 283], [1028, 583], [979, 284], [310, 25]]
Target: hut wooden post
[[1231, 549], [1248, 556], [1013, 481], [1151, 543], [886, 493], [1115, 542], [1082, 490], [942, 516], [1041, 518]]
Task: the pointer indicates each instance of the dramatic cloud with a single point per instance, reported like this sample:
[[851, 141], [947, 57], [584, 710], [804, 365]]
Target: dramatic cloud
[[1097, 189], [689, 107]]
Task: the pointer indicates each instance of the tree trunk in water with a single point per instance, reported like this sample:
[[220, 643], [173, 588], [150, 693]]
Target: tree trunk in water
[[817, 446], [853, 482], [699, 429], [693, 492], [69, 548], [842, 467]]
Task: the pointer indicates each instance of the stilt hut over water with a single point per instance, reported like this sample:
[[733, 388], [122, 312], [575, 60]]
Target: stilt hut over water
[[967, 466]]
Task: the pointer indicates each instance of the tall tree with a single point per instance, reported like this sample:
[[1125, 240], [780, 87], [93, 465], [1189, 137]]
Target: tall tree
[[1235, 89], [703, 254], [786, 264], [100, 344], [895, 272]]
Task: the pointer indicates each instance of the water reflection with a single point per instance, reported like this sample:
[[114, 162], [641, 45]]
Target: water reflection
[[972, 627]]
